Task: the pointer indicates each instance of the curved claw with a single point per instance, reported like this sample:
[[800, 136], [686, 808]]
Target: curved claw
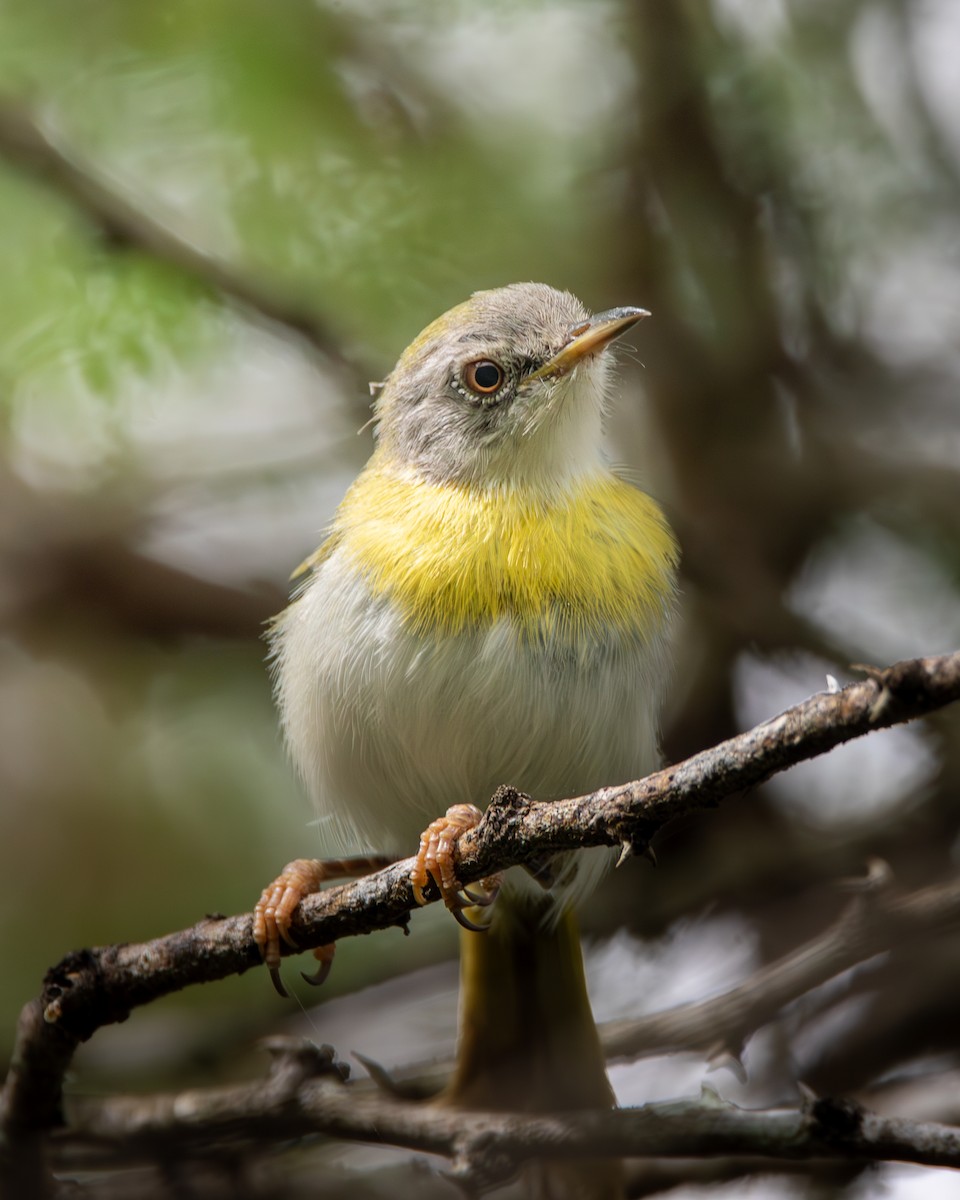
[[287, 936], [466, 923], [319, 976], [273, 913], [278, 982], [437, 854], [481, 900], [324, 956]]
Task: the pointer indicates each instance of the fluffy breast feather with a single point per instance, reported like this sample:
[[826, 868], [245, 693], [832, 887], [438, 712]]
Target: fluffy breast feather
[[445, 645]]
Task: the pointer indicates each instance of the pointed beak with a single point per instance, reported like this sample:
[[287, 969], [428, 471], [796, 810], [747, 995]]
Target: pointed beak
[[588, 338]]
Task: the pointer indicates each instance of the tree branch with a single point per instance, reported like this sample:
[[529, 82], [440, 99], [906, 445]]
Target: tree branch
[[487, 1148], [91, 988], [25, 144], [878, 920], [874, 922]]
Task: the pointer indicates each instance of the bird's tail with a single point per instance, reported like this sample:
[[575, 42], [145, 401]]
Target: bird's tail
[[528, 1041]]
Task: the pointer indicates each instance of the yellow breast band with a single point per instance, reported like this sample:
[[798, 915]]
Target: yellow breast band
[[454, 556]]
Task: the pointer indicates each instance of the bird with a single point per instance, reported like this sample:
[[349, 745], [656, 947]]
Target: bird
[[491, 605]]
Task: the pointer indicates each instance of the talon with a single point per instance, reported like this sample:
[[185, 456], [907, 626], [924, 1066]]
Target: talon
[[273, 913], [284, 931], [324, 955], [465, 923], [437, 856], [490, 890], [278, 982], [319, 977]]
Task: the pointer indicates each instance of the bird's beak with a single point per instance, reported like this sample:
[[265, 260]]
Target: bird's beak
[[589, 338]]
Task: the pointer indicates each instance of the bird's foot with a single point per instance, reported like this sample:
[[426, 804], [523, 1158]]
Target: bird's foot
[[273, 912], [437, 862]]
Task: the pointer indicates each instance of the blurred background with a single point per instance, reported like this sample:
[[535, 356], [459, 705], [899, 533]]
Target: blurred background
[[219, 221]]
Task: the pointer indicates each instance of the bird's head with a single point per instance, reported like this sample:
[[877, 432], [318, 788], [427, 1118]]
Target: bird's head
[[506, 389]]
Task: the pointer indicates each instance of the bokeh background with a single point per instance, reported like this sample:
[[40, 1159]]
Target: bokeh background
[[220, 220]]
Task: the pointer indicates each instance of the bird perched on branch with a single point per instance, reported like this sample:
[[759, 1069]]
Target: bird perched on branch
[[490, 606]]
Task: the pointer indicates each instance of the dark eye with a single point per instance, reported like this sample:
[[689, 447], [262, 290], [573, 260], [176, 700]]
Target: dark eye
[[483, 376]]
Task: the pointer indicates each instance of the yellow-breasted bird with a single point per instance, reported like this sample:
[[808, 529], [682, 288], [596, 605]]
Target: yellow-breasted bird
[[491, 605]]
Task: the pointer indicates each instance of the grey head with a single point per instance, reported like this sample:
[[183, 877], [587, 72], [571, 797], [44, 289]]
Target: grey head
[[507, 388]]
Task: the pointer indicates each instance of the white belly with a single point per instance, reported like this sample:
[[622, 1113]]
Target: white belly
[[390, 727]]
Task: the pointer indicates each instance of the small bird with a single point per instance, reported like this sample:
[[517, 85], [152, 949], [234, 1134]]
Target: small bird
[[491, 605]]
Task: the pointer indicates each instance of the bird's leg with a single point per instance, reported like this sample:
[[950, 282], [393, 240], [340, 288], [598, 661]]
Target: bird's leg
[[273, 912], [437, 861]]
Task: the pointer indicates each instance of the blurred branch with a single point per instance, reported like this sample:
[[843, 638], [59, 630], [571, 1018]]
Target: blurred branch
[[876, 921], [92, 988], [879, 920], [907, 1022], [857, 478], [63, 559], [27, 146], [489, 1148]]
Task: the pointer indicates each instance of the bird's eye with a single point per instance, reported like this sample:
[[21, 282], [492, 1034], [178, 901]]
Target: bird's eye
[[483, 376]]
